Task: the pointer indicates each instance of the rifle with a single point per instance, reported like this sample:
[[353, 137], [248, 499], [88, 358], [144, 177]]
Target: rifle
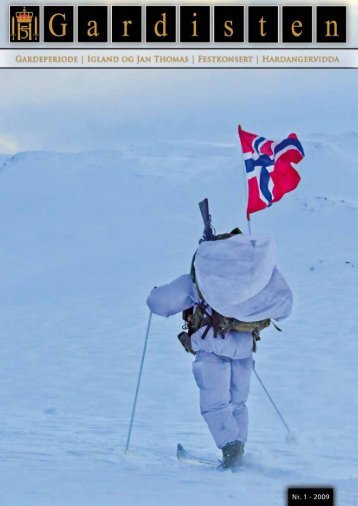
[[208, 234]]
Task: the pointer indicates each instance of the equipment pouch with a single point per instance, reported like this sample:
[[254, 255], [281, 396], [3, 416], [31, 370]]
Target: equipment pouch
[[185, 340]]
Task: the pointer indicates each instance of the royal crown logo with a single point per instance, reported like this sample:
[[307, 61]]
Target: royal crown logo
[[24, 16], [24, 24]]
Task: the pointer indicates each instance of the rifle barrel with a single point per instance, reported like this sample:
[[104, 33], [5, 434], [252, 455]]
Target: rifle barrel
[[204, 210]]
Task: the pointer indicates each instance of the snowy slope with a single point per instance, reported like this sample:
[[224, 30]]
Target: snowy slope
[[83, 238]]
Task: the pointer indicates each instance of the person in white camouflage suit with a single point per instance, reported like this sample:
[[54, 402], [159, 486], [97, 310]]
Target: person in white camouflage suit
[[233, 275]]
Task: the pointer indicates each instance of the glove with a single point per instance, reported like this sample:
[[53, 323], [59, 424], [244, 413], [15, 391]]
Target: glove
[[185, 340]]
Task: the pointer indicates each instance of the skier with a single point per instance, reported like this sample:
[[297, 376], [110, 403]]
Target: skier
[[234, 275]]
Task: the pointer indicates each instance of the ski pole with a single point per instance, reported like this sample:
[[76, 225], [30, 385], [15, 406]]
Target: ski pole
[[290, 436], [138, 382]]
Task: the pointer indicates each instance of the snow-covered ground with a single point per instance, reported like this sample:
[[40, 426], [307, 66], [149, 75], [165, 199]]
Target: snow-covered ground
[[83, 239]]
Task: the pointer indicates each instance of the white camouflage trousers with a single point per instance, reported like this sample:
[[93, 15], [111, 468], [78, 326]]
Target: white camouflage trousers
[[224, 385]]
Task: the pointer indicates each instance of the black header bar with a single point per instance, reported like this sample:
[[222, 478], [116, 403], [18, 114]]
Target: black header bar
[[120, 24]]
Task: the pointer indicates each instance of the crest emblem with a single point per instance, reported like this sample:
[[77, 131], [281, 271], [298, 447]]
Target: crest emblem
[[24, 24]]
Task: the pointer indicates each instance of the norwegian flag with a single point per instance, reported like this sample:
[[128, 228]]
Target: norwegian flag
[[269, 168]]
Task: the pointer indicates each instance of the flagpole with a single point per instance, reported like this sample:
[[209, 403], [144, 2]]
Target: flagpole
[[249, 223]]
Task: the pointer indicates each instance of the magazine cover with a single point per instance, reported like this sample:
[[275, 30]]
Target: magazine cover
[[178, 253]]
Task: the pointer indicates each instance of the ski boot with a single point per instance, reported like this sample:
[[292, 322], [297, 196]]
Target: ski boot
[[232, 455]]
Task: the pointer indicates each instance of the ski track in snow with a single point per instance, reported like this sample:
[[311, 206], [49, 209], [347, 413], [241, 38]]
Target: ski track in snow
[[83, 239]]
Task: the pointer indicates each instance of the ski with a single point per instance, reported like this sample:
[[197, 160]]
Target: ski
[[187, 457], [184, 455]]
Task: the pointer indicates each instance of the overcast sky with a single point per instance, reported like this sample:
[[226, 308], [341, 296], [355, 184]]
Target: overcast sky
[[75, 110]]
